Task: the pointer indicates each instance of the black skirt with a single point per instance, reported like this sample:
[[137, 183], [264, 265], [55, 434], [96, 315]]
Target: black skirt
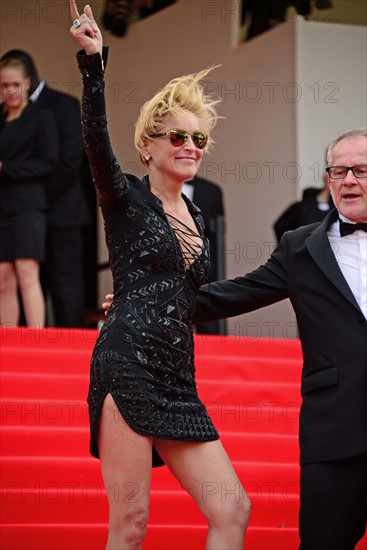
[[23, 235]]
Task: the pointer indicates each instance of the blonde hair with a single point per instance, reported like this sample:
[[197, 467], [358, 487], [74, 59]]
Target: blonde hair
[[181, 94], [14, 63]]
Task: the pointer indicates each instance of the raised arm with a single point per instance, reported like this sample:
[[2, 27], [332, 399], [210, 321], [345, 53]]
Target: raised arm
[[107, 175], [85, 30]]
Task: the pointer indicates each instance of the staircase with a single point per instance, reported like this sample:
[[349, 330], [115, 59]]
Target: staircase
[[52, 495]]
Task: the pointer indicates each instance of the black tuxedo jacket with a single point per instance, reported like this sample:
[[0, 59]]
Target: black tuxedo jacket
[[67, 205], [29, 156], [332, 329], [208, 197]]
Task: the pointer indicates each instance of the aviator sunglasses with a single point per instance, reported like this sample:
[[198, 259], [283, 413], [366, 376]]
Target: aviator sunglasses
[[179, 137]]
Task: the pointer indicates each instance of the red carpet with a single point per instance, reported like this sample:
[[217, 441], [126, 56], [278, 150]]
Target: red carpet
[[52, 495]]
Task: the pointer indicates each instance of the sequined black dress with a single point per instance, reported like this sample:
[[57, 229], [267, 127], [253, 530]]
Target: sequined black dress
[[144, 355]]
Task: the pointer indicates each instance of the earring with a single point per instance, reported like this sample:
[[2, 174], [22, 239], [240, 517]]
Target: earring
[[147, 158]]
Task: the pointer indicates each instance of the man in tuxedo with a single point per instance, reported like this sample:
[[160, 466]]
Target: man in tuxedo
[[322, 269], [62, 274], [208, 197]]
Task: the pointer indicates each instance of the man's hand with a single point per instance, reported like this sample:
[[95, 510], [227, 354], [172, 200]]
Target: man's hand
[[106, 305]]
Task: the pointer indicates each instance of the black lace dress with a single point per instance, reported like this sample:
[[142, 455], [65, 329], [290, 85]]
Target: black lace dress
[[144, 355]]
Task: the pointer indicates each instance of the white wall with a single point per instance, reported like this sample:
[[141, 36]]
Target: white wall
[[331, 70]]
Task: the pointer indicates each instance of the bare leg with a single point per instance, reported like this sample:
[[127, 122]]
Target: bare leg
[[126, 462], [30, 289], [205, 471], [9, 305]]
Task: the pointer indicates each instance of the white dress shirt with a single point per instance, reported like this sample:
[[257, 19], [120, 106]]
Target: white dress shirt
[[351, 254], [33, 97], [188, 190]]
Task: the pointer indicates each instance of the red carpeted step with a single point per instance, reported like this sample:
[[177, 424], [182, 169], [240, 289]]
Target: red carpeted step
[[44, 412], [256, 417], [159, 537], [87, 503], [15, 385], [275, 360], [52, 491], [74, 441], [251, 368], [50, 385], [255, 476], [68, 339], [242, 368], [44, 494]]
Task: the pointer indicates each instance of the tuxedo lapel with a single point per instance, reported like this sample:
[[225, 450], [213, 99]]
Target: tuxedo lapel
[[318, 245]]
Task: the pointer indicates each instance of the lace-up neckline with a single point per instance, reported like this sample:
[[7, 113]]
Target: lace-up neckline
[[191, 243]]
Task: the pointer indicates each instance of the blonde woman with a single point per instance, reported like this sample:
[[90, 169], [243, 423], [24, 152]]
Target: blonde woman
[[144, 406]]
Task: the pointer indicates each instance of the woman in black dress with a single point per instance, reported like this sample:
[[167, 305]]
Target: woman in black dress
[[143, 401], [28, 154]]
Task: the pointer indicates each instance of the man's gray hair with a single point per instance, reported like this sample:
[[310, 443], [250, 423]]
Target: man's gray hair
[[349, 134]]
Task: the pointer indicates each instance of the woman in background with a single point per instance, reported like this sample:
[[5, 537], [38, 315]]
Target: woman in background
[[28, 154]]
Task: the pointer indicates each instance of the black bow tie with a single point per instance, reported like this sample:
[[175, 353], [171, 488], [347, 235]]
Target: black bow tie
[[349, 228]]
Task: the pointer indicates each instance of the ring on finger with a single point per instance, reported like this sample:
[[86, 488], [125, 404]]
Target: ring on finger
[[76, 23]]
